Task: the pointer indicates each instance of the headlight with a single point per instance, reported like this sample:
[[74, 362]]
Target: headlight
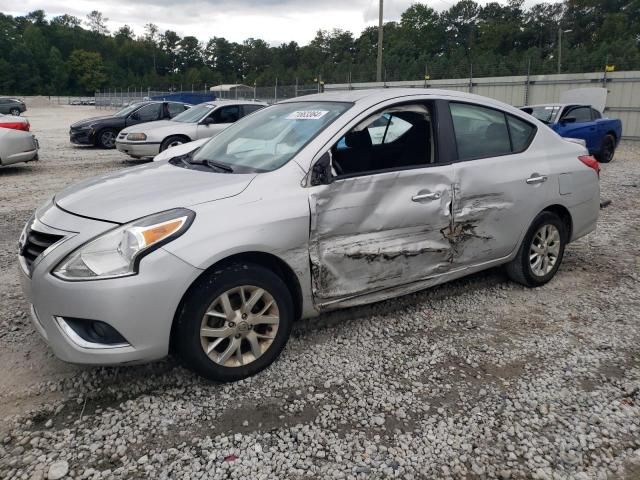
[[117, 253], [136, 136]]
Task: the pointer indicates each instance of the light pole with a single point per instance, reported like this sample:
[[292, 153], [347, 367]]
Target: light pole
[[380, 38], [560, 32]]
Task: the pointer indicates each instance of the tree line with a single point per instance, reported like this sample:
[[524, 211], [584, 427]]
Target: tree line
[[68, 55]]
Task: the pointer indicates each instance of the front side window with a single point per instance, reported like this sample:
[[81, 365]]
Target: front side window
[[479, 131], [149, 113], [228, 114], [194, 114], [545, 113], [395, 138], [581, 114], [270, 137], [127, 110]]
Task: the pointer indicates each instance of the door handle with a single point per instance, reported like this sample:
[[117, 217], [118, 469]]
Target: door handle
[[535, 178], [425, 196]]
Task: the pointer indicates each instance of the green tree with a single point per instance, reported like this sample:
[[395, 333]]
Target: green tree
[[87, 69]]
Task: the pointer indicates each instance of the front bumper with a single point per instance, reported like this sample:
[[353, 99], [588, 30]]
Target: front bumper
[[138, 149], [140, 307], [82, 137]]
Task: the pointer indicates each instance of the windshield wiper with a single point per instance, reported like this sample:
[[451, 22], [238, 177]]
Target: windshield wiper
[[220, 166]]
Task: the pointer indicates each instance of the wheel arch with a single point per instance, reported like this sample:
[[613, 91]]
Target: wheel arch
[[177, 135], [565, 215], [267, 260]]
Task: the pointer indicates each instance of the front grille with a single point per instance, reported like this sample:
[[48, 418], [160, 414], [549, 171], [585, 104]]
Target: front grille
[[35, 244]]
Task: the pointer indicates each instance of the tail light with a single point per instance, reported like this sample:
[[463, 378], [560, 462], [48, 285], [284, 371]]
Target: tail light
[[16, 126], [590, 162]]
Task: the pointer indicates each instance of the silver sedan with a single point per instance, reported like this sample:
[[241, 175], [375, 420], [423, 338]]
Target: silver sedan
[[17, 146], [313, 204]]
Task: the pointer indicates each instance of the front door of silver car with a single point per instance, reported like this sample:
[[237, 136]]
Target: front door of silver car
[[379, 222]]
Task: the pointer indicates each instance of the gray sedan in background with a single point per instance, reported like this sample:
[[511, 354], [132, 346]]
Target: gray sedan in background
[[313, 204]]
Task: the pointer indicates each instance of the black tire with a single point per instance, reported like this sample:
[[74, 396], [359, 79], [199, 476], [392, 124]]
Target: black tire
[[172, 141], [519, 269], [199, 299], [15, 112], [106, 138], [608, 149]]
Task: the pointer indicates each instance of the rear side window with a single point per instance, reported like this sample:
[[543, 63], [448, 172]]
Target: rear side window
[[521, 133], [483, 132], [175, 108], [479, 131], [247, 109]]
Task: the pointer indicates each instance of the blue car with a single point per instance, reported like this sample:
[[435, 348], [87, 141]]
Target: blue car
[[601, 135]]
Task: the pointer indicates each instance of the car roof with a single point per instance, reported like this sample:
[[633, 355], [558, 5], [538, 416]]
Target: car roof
[[557, 105], [233, 102], [377, 95]]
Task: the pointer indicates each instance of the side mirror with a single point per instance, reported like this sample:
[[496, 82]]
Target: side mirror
[[207, 121], [568, 120], [321, 171]]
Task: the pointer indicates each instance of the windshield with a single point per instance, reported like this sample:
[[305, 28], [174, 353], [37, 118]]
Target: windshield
[[127, 110], [269, 138], [194, 114], [545, 114]]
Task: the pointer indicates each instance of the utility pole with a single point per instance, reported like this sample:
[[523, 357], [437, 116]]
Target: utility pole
[[559, 50], [380, 40], [560, 32]]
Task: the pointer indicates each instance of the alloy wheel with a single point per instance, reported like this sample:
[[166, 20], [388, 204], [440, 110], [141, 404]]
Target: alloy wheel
[[108, 139], [544, 250], [239, 326]]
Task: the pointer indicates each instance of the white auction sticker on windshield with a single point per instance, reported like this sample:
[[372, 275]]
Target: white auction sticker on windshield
[[307, 114]]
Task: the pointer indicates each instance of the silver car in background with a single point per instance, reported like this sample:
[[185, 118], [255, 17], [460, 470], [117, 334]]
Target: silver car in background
[[17, 146], [298, 209], [205, 120]]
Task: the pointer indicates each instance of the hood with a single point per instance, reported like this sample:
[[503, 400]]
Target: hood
[[89, 121], [136, 192], [183, 149], [593, 96], [145, 127]]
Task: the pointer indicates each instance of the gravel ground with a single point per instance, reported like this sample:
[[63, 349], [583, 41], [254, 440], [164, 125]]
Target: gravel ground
[[479, 378]]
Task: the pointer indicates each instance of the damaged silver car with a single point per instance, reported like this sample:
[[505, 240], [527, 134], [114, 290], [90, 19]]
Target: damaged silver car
[[316, 203]]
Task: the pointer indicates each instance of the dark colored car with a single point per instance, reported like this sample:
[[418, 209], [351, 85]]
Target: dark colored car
[[12, 106], [102, 131]]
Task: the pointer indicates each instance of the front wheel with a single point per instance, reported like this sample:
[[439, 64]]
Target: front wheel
[[235, 322], [608, 149], [172, 142], [107, 138], [541, 252]]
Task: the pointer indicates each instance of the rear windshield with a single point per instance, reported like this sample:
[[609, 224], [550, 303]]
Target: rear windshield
[[269, 138]]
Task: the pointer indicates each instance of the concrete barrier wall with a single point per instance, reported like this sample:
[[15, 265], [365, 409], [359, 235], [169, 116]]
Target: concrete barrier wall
[[623, 100]]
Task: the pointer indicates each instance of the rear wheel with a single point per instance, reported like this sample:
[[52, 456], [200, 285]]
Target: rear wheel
[[15, 112], [541, 252], [107, 138], [235, 322], [173, 141], [608, 149]]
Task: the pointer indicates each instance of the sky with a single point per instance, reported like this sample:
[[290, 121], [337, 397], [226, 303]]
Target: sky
[[275, 21]]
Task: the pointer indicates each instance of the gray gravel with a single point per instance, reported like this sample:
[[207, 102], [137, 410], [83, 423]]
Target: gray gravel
[[479, 378]]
